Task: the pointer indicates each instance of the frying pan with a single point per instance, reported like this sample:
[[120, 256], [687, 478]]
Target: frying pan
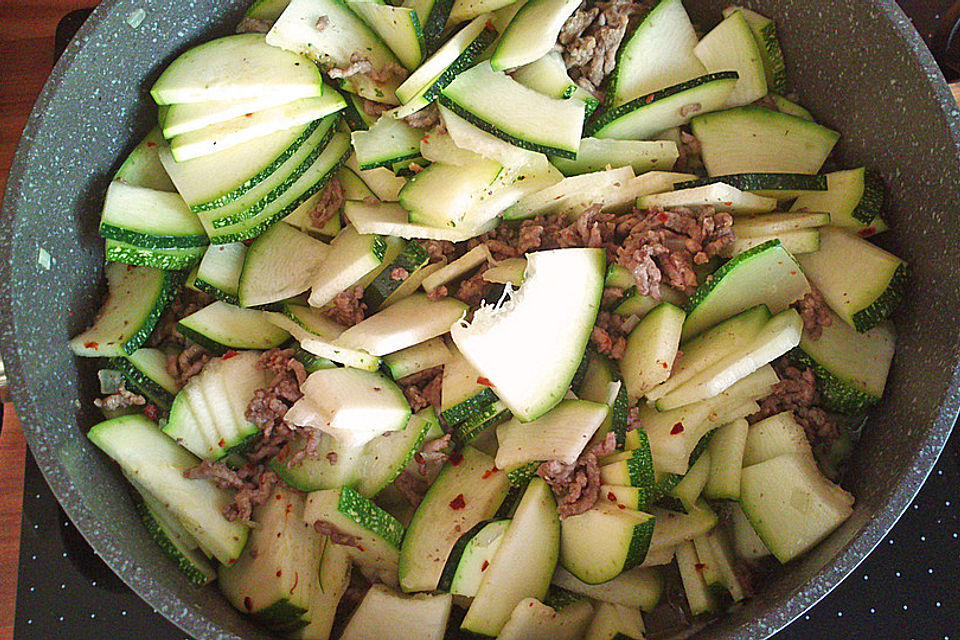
[[859, 66]]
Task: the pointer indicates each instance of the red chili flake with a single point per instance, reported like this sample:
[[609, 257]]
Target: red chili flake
[[230, 354], [622, 506], [248, 603], [91, 344], [727, 204], [649, 99], [296, 579], [677, 428], [484, 566], [699, 566], [664, 365], [279, 497], [360, 548], [458, 503], [279, 572], [484, 381], [662, 217], [456, 458], [222, 443], [151, 144], [611, 497], [869, 231], [151, 411], [488, 472]]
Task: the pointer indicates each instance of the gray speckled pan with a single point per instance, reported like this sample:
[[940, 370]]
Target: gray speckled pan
[[860, 67]]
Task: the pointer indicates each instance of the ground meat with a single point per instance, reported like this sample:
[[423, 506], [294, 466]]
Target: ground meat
[[430, 459], [347, 308], [577, 486], [609, 335], [471, 290], [399, 274], [329, 203], [253, 483], [425, 118], [335, 535], [815, 313], [437, 293], [691, 157], [187, 363], [422, 389], [322, 23], [611, 296], [669, 243], [374, 109], [186, 302], [797, 392], [439, 250], [591, 37], [388, 72], [122, 399], [271, 403], [358, 64], [252, 25]]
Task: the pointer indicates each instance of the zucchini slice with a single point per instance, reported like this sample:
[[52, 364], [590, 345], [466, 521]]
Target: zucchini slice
[[532, 33], [220, 269], [765, 31], [280, 264], [235, 68], [861, 282], [596, 154], [726, 460], [720, 196], [651, 349], [658, 54], [534, 619], [221, 327], [142, 168], [386, 615], [164, 259], [731, 45], [756, 140], [136, 298], [501, 106], [398, 27], [668, 107], [560, 434], [602, 543], [639, 588], [782, 186], [774, 436], [853, 198], [387, 141], [146, 370]]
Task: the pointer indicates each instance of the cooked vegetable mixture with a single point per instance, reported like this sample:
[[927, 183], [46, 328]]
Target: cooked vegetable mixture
[[519, 319]]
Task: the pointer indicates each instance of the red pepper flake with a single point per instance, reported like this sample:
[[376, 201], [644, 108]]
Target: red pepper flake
[[622, 506], [151, 411], [611, 497], [649, 99], [248, 603], [727, 204], [456, 458], [677, 428], [662, 216], [484, 381], [488, 473], [664, 365], [458, 503], [360, 548], [222, 443], [279, 572], [296, 579], [869, 231], [230, 354], [151, 144], [279, 497], [91, 344], [699, 566], [484, 566]]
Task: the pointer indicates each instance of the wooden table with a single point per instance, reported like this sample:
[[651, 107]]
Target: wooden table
[[27, 29]]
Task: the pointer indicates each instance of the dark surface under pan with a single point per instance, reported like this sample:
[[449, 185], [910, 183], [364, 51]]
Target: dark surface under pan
[[858, 65]]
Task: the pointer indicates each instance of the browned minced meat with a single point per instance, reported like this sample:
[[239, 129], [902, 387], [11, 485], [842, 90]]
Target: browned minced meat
[[122, 399], [439, 249], [611, 296], [399, 274], [815, 313], [388, 72], [186, 301], [252, 25], [609, 335], [271, 403], [797, 392], [329, 203], [430, 459], [322, 23], [662, 243], [691, 158], [437, 293], [471, 290], [577, 486], [335, 535], [425, 118], [374, 109], [591, 37], [422, 389], [253, 484], [359, 63], [348, 307], [185, 364]]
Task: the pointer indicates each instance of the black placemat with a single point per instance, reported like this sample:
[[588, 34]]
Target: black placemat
[[906, 590]]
